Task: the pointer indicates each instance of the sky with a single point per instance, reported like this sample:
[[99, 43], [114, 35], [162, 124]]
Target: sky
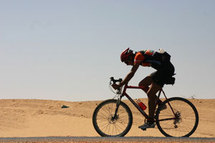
[[68, 49]]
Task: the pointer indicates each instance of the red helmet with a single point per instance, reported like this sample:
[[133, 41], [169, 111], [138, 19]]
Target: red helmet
[[124, 56]]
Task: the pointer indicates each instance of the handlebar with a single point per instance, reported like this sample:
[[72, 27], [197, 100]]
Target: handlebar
[[114, 81]]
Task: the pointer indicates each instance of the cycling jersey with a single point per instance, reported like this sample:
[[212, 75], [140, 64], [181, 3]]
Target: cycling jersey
[[159, 61], [149, 58]]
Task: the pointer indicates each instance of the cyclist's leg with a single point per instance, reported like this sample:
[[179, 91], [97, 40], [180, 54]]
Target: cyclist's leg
[[152, 105], [146, 82], [154, 88]]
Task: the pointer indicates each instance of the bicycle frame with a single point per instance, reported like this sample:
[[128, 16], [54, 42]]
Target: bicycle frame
[[134, 103], [108, 123]]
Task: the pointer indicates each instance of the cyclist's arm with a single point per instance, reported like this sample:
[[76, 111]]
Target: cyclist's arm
[[130, 74]]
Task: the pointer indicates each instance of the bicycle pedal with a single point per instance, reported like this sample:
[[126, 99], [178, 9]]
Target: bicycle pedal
[[143, 129]]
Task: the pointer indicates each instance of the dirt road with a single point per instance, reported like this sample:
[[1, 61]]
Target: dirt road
[[106, 140]]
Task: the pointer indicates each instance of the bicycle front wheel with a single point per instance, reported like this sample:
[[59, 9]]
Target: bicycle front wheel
[[109, 122], [179, 119]]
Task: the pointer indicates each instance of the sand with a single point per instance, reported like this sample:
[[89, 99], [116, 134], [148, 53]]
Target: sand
[[39, 118]]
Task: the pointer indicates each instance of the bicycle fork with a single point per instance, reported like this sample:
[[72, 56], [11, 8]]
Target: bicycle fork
[[115, 117]]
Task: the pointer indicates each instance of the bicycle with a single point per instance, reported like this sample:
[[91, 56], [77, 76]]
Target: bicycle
[[113, 118]]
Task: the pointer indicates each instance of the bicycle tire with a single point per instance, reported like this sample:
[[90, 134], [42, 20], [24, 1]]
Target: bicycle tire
[[186, 118], [122, 106]]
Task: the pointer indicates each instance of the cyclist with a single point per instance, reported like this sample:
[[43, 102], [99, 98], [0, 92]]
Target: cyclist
[[160, 61]]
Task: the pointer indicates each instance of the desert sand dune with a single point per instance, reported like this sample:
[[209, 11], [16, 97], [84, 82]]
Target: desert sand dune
[[38, 118]]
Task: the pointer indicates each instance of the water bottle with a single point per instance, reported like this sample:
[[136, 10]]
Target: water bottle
[[142, 106]]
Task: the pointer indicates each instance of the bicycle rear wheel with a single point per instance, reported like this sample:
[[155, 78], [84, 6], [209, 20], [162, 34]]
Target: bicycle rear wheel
[[180, 119], [108, 125]]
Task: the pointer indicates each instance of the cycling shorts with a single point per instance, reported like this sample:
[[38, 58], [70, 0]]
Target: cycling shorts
[[162, 75]]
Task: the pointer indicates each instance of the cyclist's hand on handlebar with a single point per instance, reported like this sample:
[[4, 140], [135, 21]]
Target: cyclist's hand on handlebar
[[116, 86]]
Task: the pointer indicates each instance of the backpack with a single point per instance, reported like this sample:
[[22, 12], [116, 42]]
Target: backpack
[[159, 56]]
